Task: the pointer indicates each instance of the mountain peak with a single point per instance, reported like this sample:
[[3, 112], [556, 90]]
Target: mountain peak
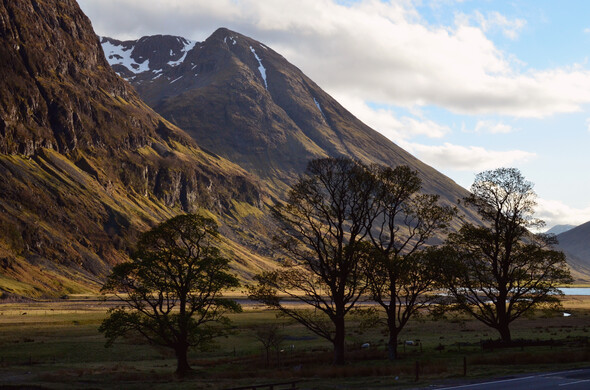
[[229, 39], [247, 103], [223, 32], [150, 54]]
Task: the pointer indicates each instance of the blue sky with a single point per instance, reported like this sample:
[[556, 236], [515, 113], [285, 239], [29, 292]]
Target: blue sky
[[463, 85]]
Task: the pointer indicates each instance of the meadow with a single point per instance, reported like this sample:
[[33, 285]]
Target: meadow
[[56, 345]]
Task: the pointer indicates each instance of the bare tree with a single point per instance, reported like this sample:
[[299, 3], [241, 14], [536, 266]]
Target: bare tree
[[501, 270], [271, 338], [401, 275], [324, 222]]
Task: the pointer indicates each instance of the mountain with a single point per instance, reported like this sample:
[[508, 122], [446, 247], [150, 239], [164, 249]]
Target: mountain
[[575, 243], [86, 165], [245, 102], [558, 229]]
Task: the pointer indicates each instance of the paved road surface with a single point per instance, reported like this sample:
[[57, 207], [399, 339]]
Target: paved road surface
[[562, 380]]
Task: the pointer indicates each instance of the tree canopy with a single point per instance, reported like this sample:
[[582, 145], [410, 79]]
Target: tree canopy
[[349, 232], [501, 270], [171, 288], [401, 274], [324, 222]]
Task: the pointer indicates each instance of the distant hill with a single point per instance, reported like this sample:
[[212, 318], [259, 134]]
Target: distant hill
[[575, 243], [558, 229]]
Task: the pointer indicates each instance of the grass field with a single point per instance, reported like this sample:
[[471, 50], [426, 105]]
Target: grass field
[[56, 345]]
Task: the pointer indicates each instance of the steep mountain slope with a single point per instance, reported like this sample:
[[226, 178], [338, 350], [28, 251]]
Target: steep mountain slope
[[85, 164], [245, 102], [575, 243]]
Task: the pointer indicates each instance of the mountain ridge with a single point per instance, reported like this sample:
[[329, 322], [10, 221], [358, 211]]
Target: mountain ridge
[[201, 94], [247, 103], [558, 229]]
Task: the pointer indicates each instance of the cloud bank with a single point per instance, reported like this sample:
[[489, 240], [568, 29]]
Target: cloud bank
[[555, 212], [373, 50], [467, 158]]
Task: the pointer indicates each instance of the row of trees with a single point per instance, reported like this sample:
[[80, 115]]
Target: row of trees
[[351, 232], [356, 231]]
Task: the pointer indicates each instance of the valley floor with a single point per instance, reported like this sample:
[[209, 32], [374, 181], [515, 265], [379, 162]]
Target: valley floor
[[56, 345]]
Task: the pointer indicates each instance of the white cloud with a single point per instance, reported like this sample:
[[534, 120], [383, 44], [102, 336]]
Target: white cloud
[[371, 50], [466, 158], [555, 212], [486, 126], [496, 21], [446, 156], [387, 123]]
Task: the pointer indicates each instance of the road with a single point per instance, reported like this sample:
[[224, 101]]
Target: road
[[562, 380]]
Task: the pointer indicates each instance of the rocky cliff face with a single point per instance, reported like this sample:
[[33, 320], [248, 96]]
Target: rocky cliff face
[[85, 164], [60, 92]]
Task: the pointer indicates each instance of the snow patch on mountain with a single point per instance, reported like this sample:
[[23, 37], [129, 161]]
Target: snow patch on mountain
[[188, 46], [261, 67], [119, 55], [319, 108], [233, 40]]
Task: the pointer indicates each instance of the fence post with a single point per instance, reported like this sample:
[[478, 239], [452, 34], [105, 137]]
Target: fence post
[[417, 370], [464, 365]]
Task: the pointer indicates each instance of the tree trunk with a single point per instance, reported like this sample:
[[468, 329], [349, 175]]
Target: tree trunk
[[339, 341], [182, 367], [392, 343], [505, 333], [391, 321], [503, 315]]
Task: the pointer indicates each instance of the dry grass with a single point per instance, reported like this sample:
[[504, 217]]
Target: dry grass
[[59, 344]]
